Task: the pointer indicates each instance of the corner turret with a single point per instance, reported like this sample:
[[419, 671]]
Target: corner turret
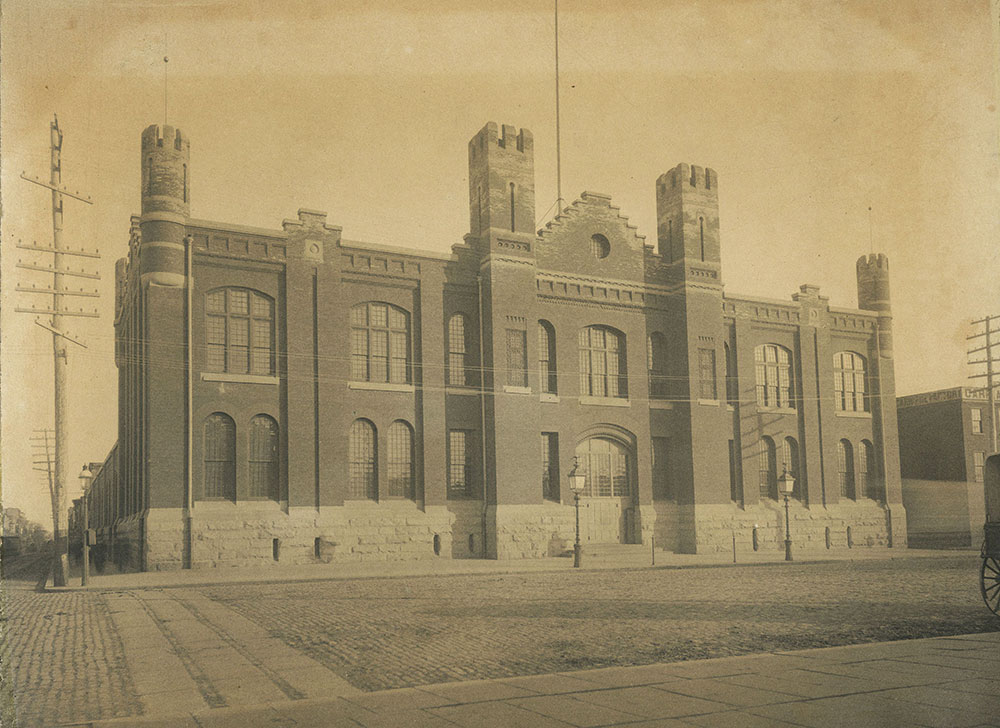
[[873, 295], [165, 204]]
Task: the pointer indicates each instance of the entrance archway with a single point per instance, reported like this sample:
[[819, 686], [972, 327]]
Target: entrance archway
[[607, 496]]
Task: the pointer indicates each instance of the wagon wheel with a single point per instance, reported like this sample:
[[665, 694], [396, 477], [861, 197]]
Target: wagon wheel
[[989, 583]]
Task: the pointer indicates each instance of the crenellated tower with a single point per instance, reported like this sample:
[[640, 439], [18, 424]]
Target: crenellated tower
[[165, 204], [687, 215], [501, 185], [873, 295]]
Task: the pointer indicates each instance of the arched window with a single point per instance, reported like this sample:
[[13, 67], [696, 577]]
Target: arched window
[[849, 382], [547, 358], [790, 462], [380, 343], [457, 362], [870, 484], [768, 476], [603, 371], [845, 469], [400, 460], [220, 456], [605, 462], [239, 331], [362, 477], [774, 376], [263, 458], [656, 364]]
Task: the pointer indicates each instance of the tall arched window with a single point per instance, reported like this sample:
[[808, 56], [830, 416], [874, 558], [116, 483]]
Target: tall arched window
[[774, 376], [790, 462], [362, 477], [457, 362], [400, 460], [849, 382], [220, 456], [605, 462], [263, 457], [603, 372], [768, 475], [239, 331], [656, 364], [845, 469], [380, 343], [870, 484], [547, 378]]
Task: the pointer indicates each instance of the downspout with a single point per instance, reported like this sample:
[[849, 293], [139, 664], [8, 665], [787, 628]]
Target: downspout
[[189, 484], [482, 408]]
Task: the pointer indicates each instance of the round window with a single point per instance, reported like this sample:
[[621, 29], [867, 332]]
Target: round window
[[600, 246]]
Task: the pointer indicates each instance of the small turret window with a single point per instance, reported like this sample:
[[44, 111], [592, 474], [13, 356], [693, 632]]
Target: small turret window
[[701, 228], [184, 192], [149, 176], [512, 207]]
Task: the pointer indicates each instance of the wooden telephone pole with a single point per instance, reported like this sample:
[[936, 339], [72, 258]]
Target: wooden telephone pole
[[990, 334], [53, 318]]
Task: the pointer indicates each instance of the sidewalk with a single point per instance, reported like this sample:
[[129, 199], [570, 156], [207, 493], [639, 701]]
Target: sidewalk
[[600, 557], [941, 681]]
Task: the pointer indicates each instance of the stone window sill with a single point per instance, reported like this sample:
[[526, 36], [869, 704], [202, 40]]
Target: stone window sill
[[381, 386], [605, 401], [509, 389], [238, 378], [856, 415], [709, 402]]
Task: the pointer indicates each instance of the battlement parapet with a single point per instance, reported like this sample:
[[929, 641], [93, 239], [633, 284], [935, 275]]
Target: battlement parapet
[[877, 261], [506, 136], [686, 176], [156, 137]]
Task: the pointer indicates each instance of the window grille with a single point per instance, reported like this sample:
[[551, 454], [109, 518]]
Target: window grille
[[220, 456], [362, 482], [263, 457]]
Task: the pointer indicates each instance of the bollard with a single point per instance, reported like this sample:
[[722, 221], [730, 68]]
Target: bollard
[[756, 543]]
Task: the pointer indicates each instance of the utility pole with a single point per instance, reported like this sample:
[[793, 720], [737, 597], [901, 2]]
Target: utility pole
[[53, 319], [990, 334]]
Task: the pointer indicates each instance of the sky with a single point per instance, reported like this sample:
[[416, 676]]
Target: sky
[[810, 112]]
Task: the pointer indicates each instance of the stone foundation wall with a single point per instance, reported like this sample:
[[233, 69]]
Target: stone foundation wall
[[466, 529], [863, 523], [120, 545], [263, 534], [530, 531]]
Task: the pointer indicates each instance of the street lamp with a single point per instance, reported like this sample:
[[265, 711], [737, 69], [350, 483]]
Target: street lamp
[[85, 478], [577, 481], [786, 485]]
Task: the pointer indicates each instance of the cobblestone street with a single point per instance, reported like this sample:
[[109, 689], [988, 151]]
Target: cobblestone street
[[397, 632], [75, 656]]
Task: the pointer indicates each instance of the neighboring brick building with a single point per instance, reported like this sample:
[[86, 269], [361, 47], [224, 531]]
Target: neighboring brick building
[[292, 395], [944, 440]]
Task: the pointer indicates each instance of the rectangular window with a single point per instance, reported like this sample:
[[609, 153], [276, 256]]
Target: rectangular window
[[977, 421], [359, 355], [239, 344], [706, 374], [517, 358], [550, 466], [460, 459], [978, 464], [662, 485]]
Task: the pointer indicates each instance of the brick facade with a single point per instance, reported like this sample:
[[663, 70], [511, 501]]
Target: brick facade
[[290, 395]]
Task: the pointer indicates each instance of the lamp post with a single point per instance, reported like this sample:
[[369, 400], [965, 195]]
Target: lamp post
[[85, 478], [577, 481], [786, 485]]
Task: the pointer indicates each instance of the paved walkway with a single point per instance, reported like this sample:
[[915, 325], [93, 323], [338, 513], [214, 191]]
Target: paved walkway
[[619, 557], [942, 681]]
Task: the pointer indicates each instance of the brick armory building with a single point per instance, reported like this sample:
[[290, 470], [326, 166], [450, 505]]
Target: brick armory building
[[945, 438], [292, 395]]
